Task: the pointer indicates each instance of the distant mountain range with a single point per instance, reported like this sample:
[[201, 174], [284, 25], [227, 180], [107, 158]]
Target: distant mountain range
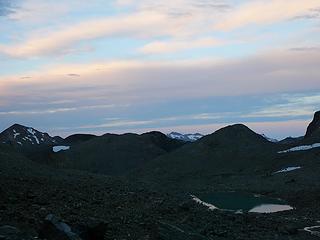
[[233, 148], [269, 139], [185, 137]]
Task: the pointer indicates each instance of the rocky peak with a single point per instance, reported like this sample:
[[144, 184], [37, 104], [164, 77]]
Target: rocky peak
[[20, 135], [314, 127]]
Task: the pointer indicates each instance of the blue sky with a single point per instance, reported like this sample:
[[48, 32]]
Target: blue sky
[[178, 65]]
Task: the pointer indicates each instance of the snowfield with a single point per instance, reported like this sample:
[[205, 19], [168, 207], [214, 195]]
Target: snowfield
[[301, 148], [33, 133], [270, 208], [60, 148], [288, 169], [198, 200], [312, 231]]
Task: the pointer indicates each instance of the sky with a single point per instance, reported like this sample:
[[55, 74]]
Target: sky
[[120, 66]]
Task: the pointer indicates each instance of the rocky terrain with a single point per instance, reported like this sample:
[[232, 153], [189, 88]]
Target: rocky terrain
[[149, 196]]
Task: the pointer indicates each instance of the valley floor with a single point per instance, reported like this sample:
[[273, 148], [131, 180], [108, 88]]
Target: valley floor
[[130, 210]]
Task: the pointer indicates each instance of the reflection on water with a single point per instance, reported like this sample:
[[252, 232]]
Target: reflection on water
[[241, 202]]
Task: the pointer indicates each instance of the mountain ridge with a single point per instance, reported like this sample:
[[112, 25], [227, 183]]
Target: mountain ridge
[[19, 135], [313, 129]]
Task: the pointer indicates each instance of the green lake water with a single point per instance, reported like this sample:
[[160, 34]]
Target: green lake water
[[245, 202]]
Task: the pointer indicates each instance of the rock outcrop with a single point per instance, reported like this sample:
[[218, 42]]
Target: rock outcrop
[[314, 127]]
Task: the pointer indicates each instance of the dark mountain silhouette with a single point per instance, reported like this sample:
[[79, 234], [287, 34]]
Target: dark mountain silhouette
[[291, 140], [153, 198], [313, 129], [231, 150], [115, 154], [78, 138]]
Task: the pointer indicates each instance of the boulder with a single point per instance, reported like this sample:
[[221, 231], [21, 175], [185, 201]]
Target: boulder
[[93, 229], [54, 229], [12, 233]]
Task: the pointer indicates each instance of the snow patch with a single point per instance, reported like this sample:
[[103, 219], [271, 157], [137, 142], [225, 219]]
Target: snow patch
[[288, 169], [33, 133], [301, 148], [60, 148], [270, 208], [37, 140], [269, 139], [185, 137], [208, 205], [312, 230], [194, 137], [15, 134]]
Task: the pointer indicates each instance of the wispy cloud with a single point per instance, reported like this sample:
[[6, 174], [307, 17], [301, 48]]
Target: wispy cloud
[[43, 12], [116, 122], [313, 14], [265, 12], [293, 106], [176, 45], [139, 25], [6, 7], [140, 81], [55, 110], [187, 24]]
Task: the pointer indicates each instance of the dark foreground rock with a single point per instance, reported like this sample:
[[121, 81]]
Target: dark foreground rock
[[8, 232], [53, 228], [38, 201], [169, 231]]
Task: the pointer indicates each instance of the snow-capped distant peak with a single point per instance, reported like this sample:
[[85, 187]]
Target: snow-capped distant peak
[[185, 137], [269, 139]]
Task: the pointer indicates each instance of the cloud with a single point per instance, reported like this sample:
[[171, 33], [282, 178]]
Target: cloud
[[139, 81], [33, 12], [73, 75], [265, 12], [6, 7], [139, 25], [55, 110], [176, 5], [117, 123], [148, 20], [305, 49], [294, 106], [313, 14], [113, 123], [160, 47], [182, 22]]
